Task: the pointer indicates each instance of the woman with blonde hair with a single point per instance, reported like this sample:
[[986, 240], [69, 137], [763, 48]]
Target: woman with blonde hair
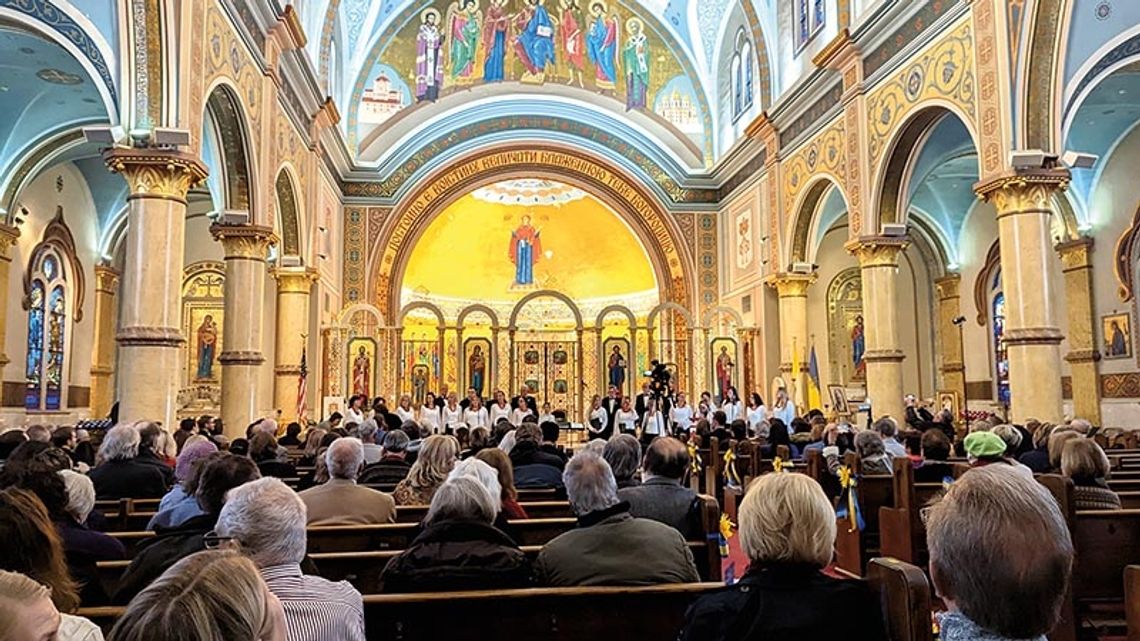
[[1083, 461], [433, 464], [27, 612], [499, 460], [214, 595], [787, 529], [312, 444]]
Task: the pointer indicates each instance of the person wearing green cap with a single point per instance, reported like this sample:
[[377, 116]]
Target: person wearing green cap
[[987, 448]]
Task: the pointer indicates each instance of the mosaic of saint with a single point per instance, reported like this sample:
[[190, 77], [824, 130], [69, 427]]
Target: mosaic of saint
[[437, 48]]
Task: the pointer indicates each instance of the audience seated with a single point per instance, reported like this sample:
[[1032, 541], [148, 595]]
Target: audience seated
[[292, 436], [1037, 459], [211, 595], [887, 429], [266, 520], [1057, 442], [33, 547], [777, 435], [9, 441], [312, 444], [533, 467], [434, 462], [65, 439], [39, 433], [988, 448], [610, 546], [180, 504], [263, 450], [787, 530], [935, 453], [459, 548], [187, 427], [623, 453], [153, 450], [392, 466], [550, 434], [340, 501], [1085, 463], [498, 459], [220, 473], [661, 497], [367, 434], [1000, 557], [477, 440], [120, 473], [28, 614], [83, 546]]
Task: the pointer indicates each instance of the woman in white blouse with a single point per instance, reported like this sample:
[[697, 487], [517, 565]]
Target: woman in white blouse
[[452, 414], [476, 415], [354, 413], [429, 414], [652, 424], [732, 407], [757, 416], [404, 409], [626, 417], [785, 407], [598, 420], [499, 408], [520, 414], [681, 416]]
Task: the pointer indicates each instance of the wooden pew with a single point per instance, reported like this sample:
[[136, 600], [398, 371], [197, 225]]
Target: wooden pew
[[854, 548], [590, 614], [902, 534]]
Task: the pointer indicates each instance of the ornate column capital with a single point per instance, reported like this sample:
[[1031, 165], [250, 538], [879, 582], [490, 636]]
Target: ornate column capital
[[8, 237], [156, 173], [949, 286], [1075, 254], [294, 280], [244, 241], [788, 285], [1023, 191], [878, 251], [106, 279]]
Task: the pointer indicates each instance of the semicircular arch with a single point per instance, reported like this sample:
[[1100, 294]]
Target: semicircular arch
[[229, 116], [422, 304], [545, 293], [808, 209], [478, 309], [615, 309]]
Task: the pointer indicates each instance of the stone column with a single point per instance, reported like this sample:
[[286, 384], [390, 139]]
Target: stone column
[[1024, 203], [949, 290], [150, 338], [879, 262], [292, 332], [792, 292], [103, 354], [245, 248], [8, 237], [1083, 357]]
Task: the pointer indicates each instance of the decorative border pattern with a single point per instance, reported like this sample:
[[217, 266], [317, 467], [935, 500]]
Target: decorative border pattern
[[906, 34], [819, 109], [824, 154], [1127, 49], [750, 168], [708, 285], [1037, 112]]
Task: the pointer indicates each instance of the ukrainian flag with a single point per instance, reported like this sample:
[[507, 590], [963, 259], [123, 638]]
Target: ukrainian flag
[[813, 392]]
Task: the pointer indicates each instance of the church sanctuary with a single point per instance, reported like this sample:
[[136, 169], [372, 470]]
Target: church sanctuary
[[569, 320]]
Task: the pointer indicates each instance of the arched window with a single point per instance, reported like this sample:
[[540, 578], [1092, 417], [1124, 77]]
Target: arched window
[[742, 73], [810, 17], [47, 330], [1001, 355]]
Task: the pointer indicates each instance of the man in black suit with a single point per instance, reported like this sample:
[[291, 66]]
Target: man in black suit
[[526, 400], [612, 403], [472, 394], [642, 401], [441, 398]]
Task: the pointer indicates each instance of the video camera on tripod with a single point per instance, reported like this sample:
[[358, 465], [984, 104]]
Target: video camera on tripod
[[658, 380]]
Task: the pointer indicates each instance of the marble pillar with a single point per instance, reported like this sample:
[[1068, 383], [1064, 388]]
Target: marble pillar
[[1083, 356], [292, 331], [150, 336], [791, 290], [949, 290], [103, 352], [1024, 203], [245, 249], [8, 237], [879, 267]]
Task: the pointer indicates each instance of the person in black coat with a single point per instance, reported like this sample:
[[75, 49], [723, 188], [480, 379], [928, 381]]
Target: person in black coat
[[149, 435], [121, 475], [612, 403], [459, 549], [221, 472], [787, 529]]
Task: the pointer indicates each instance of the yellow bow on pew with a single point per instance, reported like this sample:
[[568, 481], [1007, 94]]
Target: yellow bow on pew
[[731, 476], [694, 459], [849, 502], [727, 529], [777, 464]]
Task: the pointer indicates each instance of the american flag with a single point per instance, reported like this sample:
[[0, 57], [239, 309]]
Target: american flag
[[302, 388]]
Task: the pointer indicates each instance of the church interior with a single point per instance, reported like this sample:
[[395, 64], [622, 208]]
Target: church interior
[[261, 209]]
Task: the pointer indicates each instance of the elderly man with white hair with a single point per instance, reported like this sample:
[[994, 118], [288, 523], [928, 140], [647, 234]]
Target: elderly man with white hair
[[119, 474], [340, 501], [459, 548], [265, 520], [610, 546]]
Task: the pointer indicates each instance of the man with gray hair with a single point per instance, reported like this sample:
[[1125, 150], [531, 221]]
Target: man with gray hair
[[1000, 557], [367, 432], [393, 465], [265, 520], [610, 546], [888, 428], [119, 473], [340, 501]]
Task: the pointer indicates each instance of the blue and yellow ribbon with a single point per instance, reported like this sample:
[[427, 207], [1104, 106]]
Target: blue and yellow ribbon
[[777, 464], [731, 476], [695, 463], [849, 499], [727, 530]]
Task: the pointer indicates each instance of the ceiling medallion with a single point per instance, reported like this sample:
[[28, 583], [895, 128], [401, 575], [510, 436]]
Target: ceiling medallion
[[1104, 10], [59, 77]]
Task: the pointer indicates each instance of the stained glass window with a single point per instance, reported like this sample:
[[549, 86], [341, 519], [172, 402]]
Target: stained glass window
[[741, 75], [810, 17], [1001, 356], [47, 332], [803, 22]]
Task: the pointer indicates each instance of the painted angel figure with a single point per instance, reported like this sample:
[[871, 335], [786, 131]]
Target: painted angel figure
[[464, 26], [496, 25], [602, 44]]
